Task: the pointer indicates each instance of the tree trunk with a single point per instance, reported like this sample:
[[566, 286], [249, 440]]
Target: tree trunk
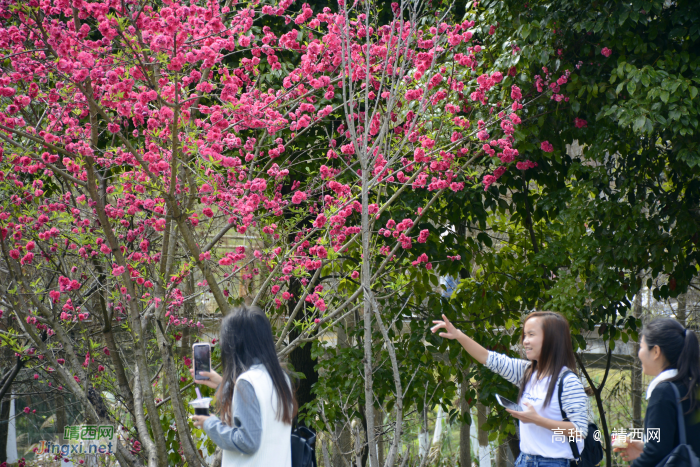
[[188, 337], [502, 455], [60, 415], [379, 414], [4, 425], [6, 397], [598, 391], [423, 435], [300, 358], [682, 312], [342, 452], [637, 370], [465, 452], [343, 448], [481, 418], [514, 444]]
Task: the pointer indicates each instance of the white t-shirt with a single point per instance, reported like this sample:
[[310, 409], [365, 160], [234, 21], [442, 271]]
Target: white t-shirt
[[535, 439], [539, 440]]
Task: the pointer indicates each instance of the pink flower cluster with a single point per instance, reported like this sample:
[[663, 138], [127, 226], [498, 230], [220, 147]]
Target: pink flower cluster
[[185, 148]]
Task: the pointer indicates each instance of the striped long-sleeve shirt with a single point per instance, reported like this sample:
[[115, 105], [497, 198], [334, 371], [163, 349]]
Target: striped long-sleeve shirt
[[535, 439]]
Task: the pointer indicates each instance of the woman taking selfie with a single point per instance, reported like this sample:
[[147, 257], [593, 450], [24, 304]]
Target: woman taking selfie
[[546, 339], [671, 354], [254, 395]]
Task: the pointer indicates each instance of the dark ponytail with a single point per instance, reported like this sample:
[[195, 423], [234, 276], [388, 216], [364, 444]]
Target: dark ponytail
[[681, 348]]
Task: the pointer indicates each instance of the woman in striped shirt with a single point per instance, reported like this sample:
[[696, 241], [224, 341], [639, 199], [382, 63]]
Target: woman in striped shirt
[[547, 342]]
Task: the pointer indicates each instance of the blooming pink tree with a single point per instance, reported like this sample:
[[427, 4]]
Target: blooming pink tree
[[135, 136]]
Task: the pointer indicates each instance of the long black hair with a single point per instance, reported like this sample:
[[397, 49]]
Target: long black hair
[[246, 336], [557, 351], [682, 351]]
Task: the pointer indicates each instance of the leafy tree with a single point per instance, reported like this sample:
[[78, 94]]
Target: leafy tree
[[579, 232]]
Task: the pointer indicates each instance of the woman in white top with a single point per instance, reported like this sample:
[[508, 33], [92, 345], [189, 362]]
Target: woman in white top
[[544, 436], [255, 402]]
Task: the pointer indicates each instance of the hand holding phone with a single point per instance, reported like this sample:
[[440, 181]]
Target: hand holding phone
[[213, 381], [201, 355], [508, 404]]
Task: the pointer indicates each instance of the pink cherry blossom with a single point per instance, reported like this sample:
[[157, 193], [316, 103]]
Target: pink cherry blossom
[[298, 197], [488, 181], [159, 143]]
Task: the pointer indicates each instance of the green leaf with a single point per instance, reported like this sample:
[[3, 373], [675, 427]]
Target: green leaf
[[525, 31], [623, 17], [485, 239], [664, 96]]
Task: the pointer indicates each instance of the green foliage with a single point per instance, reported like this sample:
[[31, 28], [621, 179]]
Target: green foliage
[[577, 233]]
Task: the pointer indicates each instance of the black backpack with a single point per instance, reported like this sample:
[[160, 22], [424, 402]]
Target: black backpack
[[303, 446], [592, 450]]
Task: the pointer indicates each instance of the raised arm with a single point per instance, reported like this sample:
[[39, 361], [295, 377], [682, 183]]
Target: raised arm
[[512, 369], [469, 344]]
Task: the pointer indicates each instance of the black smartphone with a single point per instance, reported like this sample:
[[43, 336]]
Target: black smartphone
[[201, 354], [508, 404]]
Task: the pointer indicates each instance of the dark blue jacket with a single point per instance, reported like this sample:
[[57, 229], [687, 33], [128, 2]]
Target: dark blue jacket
[[661, 414]]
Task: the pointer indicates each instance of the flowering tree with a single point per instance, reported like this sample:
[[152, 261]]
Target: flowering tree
[[135, 136]]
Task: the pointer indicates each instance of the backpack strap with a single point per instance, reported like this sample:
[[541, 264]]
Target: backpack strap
[[572, 444], [679, 409]]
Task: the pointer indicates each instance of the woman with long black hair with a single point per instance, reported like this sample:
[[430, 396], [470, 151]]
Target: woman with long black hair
[[254, 395], [546, 339], [671, 354]]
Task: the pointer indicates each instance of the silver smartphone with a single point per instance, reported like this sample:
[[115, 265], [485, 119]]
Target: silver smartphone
[[508, 404], [201, 355]]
